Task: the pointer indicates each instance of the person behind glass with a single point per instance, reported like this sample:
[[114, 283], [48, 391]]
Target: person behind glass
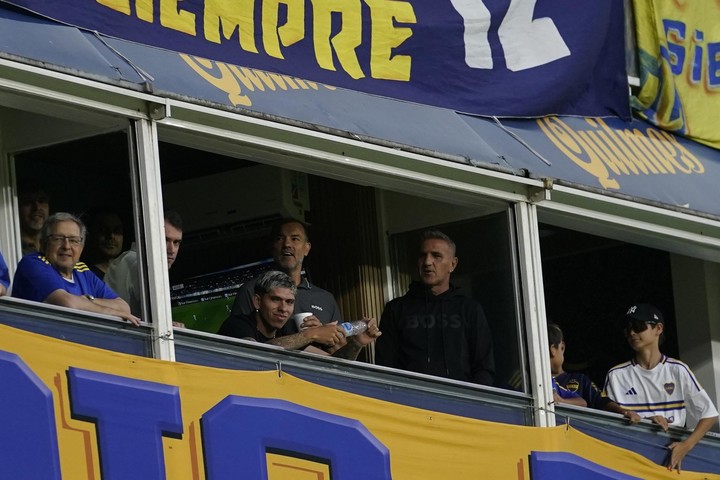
[[290, 244], [104, 242], [4, 277], [56, 276], [273, 302], [654, 386], [434, 329], [33, 209], [561, 394], [123, 274]]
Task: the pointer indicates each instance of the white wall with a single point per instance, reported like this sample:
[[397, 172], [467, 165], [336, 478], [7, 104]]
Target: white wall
[[696, 288]]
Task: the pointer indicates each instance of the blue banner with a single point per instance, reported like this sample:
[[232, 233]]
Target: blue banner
[[485, 57]]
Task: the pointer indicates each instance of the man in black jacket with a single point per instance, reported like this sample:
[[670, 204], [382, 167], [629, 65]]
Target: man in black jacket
[[434, 329]]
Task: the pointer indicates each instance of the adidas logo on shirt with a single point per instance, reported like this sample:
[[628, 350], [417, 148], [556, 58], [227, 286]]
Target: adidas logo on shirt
[[631, 391]]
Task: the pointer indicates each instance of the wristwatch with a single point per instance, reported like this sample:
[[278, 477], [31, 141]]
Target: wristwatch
[[89, 297]]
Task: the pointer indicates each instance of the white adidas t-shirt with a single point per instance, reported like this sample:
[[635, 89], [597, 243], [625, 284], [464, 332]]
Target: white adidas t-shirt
[[670, 389]]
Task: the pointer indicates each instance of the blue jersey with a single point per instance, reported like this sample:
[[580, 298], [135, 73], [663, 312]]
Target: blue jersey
[[36, 278], [582, 385], [562, 391], [4, 275]]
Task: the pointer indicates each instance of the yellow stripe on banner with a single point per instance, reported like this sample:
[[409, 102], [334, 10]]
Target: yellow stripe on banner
[[423, 444]]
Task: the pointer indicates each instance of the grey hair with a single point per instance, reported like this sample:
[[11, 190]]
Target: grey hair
[[273, 279], [438, 235], [57, 218]]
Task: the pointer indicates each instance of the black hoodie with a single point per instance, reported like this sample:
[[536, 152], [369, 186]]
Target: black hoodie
[[446, 335]]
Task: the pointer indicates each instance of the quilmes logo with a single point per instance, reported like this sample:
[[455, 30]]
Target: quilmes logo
[[240, 82], [608, 154]]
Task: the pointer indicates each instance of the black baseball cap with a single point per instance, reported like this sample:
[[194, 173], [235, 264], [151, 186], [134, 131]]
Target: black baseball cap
[[645, 313]]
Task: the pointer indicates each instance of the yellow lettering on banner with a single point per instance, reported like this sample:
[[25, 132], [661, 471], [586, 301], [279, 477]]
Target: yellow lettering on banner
[[306, 85], [573, 146], [623, 152], [122, 6], [257, 79], [253, 79], [614, 149], [144, 10], [667, 152], [228, 17], [344, 42], [651, 151], [226, 82], [596, 149], [624, 148], [690, 160], [291, 32], [385, 37], [282, 80], [172, 17], [635, 141]]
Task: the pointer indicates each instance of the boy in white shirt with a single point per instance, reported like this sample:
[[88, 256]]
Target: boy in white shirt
[[657, 387]]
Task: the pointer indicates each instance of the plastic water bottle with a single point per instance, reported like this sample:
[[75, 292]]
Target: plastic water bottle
[[353, 328]]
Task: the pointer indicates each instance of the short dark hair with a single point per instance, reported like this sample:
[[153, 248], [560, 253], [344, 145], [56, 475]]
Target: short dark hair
[[272, 279], [57, 218], [438, 235], [277, 226], [555, 334], [173, 218]]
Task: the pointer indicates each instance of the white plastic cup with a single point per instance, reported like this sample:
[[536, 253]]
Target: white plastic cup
[[300, 318]]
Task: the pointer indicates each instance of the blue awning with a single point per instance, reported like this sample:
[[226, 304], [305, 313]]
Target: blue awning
[[607, 155]]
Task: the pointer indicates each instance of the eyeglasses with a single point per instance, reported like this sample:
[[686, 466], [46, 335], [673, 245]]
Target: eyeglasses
[[61, 239], [637, 326]]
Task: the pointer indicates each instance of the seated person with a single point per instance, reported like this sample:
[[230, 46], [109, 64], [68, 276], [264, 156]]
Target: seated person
[[654, 386], [104, 241], [274, 300], [55, 276], [4, 277], [290, 245], [33, 210], [557, 358]]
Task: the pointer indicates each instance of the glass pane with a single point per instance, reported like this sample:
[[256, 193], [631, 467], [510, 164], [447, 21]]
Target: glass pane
[[485, 272]]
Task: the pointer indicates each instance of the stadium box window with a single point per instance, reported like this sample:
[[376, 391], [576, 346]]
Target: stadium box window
[[485, 249]]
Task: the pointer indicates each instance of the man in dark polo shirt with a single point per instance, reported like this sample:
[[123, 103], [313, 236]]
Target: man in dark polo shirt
[[290, 246]]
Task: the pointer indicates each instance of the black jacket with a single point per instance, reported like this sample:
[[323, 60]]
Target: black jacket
[[446, 335]]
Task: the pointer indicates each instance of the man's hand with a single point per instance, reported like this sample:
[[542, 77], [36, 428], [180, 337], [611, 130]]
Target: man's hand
[[660, 420], [310, 322], [128, 317], [330, 335], [678, 450], [633, 417], [369, 335]]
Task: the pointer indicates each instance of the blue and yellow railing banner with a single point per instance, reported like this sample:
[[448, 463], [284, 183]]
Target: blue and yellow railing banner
[[76, 412], [486, 57], [679, 65]]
